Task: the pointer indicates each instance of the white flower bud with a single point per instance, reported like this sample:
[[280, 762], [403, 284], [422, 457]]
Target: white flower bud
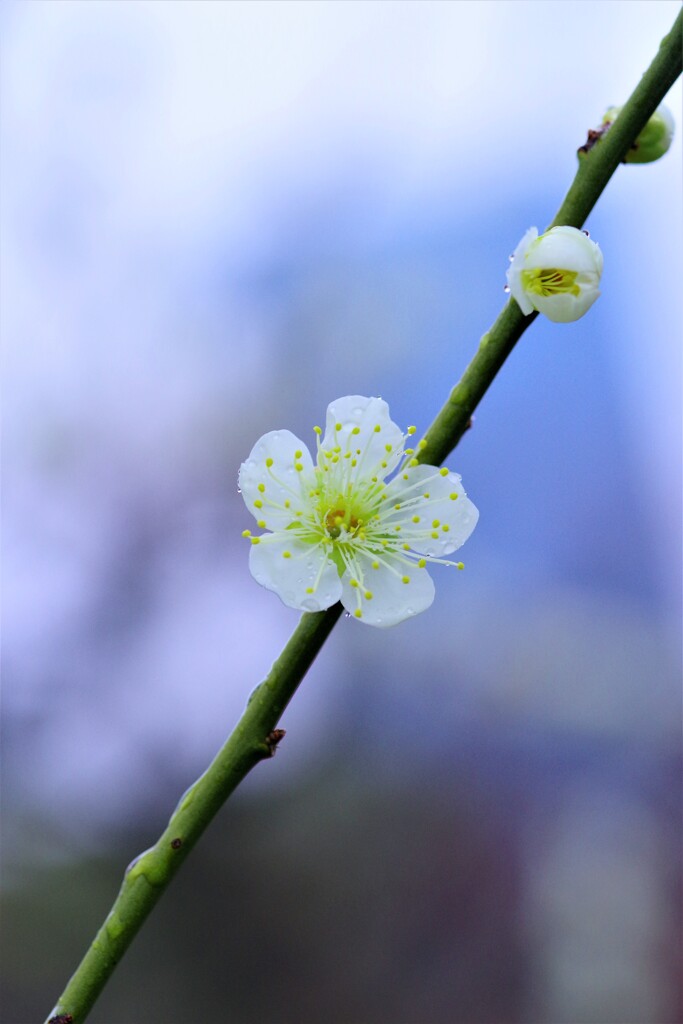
[[556, 273]]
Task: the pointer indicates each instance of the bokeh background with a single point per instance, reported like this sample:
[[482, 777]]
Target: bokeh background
[[216, 218]]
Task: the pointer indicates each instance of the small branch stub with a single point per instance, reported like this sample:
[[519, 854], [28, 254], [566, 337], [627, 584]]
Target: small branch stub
[[594, 136], [273, 739], [176, 843]]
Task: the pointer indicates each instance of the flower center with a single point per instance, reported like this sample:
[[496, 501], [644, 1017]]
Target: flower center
[[341, 518], [550, 281]]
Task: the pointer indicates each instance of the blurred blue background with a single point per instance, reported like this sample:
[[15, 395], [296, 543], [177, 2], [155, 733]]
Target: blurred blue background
[[216, 218]]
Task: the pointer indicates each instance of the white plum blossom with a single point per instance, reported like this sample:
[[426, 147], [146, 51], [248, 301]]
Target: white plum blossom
[[556, 273], [337, 531]]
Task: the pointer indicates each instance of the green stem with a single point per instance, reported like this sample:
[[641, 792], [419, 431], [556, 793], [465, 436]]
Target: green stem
[[595, 170], [254, 739], [146, 878]]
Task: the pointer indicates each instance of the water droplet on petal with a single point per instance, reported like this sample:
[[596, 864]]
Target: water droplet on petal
[[511, 257], [586, 233], [506, 289]]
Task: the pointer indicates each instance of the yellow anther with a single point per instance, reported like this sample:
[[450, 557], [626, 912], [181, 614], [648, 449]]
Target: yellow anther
[[397, 529], [358, 613], [422, 444], [269, 463], [298, 467], [297, 455], [421, 564], [405, 476], [397, 506], [286, 554], [388, 447], [309, 590], [354, 462], [368, 595], [426, 494], [261, 488], [354, 583], [337, 426], [411, 430], [317, 430], [445, 528], [413, 462], [375, 565], [287, 503], [409, 451], [436, 523], [246, 533], [377, 428], [460, 565], [453, 496], [384, 543], [258, 503], [435, 535], [406, 547], [347, 455], [416, 519], [443, 471], [405, 579], [262, 524], [550, 281], [356, 430], [255, 540], [383, 464]]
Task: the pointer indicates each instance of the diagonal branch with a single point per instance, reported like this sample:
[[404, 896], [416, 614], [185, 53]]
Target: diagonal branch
[[254, 737]]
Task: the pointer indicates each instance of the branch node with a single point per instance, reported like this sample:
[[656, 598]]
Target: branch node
[[594, 136], [273, 739]]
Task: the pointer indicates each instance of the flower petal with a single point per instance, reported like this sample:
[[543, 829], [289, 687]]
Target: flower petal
[[446, 516], [567, 248], [299, 573], [392, 599], [377, 443], [515, 269], [563, 309], [273, 488]]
